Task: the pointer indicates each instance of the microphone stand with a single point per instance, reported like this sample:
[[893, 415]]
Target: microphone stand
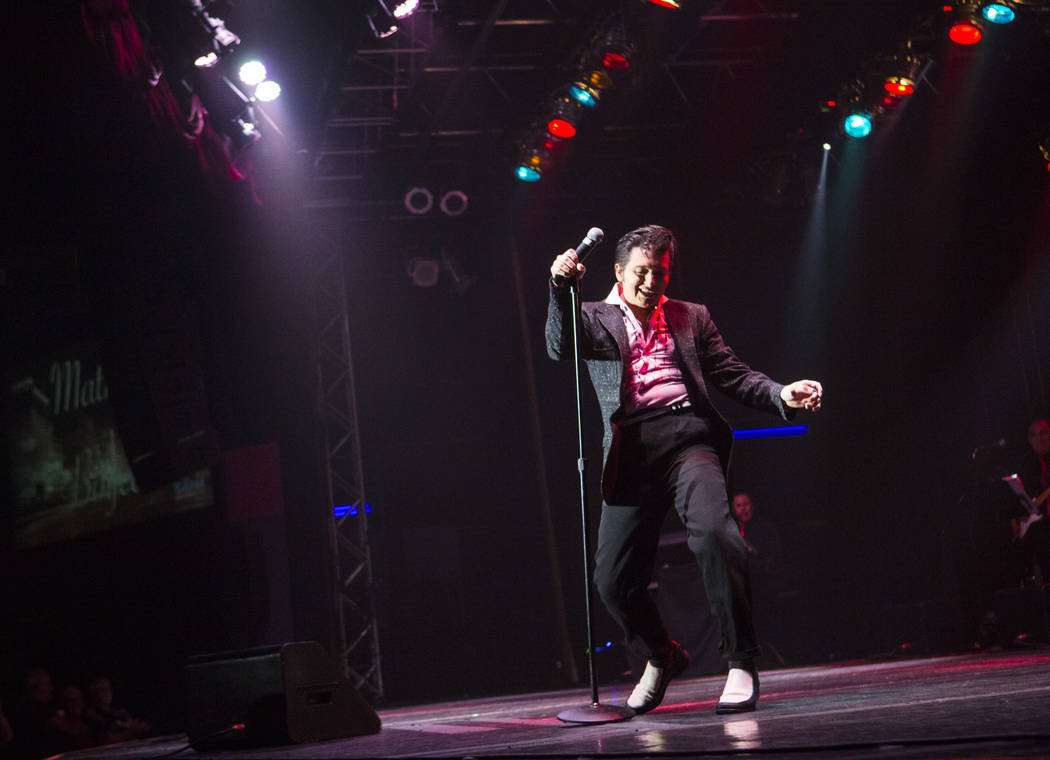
[[595, 712]]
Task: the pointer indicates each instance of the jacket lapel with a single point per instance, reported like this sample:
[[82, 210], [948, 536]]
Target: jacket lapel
[[612, 320], [684, 338]]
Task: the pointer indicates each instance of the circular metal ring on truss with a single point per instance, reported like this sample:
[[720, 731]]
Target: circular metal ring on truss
[[419, 200], [454, 202]]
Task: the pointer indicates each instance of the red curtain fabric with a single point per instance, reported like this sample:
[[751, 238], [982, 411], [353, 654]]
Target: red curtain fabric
[[111, 29]]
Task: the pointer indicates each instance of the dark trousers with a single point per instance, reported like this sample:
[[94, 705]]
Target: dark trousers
[[667, 461]]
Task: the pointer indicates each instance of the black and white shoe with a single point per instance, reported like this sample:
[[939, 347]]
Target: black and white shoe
[[741, 690], [649, 692]]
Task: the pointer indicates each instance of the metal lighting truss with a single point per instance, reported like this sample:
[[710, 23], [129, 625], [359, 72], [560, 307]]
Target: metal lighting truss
[[358, 634]]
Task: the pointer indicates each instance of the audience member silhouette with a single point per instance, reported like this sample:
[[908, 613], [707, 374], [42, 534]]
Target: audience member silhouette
[[6, 735], [67, 730], [32, 712], [763, 544], [111, 724]]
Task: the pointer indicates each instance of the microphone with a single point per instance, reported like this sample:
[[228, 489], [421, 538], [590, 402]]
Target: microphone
[[593, 237]]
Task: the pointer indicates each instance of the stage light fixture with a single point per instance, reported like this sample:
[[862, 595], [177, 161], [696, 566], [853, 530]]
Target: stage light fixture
[[596, 79], [998, 13], [899, 87], [563, 117], [584, 95], [903, 74], [615, 49], [252, 72], [666, 3], [965, 32], [857, 124], [402, 9], [382, 30], [562, 129], [246, 133], [267, 91], [587, 88], [964, 27], [533, 158], [381, 21], [222, 40]]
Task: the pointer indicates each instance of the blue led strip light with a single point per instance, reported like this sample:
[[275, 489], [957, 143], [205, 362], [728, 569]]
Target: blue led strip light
[[349, 509], [775, 432]]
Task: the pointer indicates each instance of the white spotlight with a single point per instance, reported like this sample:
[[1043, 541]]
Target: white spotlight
[[206, 60], [405, 8], [267, 91], [252, 73]]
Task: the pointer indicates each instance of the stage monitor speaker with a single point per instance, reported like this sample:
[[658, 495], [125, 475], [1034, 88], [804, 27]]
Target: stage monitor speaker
[[287, 694]]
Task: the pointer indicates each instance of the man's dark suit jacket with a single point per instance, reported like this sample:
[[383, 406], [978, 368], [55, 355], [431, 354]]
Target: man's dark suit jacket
[[704, 356]]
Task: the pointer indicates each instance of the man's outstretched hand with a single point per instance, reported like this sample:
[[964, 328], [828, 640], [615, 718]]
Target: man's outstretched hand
[[803, 394]]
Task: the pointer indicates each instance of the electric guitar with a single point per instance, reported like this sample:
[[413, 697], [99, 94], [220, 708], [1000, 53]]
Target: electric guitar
[[1021, 526]]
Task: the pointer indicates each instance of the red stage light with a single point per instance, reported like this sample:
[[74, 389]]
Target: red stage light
[[666, 3], [965, 33], [612, 60], [899, 87], [561, 128]]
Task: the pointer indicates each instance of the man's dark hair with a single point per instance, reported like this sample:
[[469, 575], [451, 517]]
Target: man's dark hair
[[651, 238]]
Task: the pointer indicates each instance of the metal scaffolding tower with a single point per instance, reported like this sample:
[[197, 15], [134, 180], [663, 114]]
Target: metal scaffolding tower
[[358, 634]]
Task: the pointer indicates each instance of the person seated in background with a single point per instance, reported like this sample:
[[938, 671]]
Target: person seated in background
[[6, 735], [111, 724], [763, 544], [31, 714], [67, 730]]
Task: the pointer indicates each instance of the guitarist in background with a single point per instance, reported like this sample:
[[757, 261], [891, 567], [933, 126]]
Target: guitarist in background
[[1034, 472]]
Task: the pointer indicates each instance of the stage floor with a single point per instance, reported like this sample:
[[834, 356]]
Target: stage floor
[[978, 705]]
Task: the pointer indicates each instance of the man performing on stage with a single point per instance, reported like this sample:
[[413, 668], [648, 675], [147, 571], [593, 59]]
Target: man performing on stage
[[650, 359]]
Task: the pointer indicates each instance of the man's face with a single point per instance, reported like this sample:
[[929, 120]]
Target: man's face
[[742, 507], [644, 278], [1039, 437]]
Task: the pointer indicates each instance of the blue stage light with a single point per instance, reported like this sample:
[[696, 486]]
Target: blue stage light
[[857, 125], [527, 174], [998, 13], [584, 95], [341, 510], [775, 432]]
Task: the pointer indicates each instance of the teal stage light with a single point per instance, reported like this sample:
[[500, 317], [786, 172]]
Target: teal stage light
[[527, 173], [857, 125], [998, 13], [585, 96]]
